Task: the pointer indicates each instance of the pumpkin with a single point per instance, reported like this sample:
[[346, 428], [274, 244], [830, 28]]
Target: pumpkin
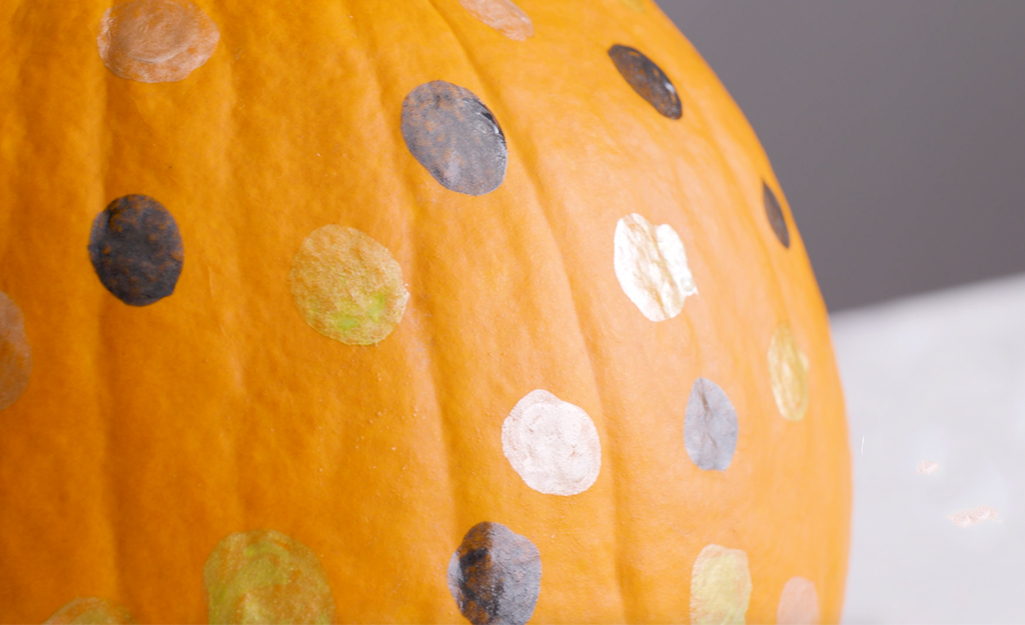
[[425, 311]]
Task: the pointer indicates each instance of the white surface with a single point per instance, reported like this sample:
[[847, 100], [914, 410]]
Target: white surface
[[937, 378]]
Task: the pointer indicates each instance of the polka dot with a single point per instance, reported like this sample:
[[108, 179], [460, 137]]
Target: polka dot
[[156, 40], [552, 444], [648, 80], [264, 576], [710, 426], [967, 518], [798, 604], [90, 611], [634, 5], [720, 587], [503, 16], [347, 286], [775, 215], [788, 369], [136, 250], [15, 352], [651, 266], [495, 576], [455, 137]]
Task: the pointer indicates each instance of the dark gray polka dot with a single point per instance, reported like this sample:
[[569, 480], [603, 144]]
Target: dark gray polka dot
[[648, 80], [775, 215], [136, 250], [710, 426], [495, 576], [455, 137]]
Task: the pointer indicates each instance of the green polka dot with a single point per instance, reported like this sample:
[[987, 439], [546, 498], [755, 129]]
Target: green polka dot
[[720, 587], [90, 611], [264, 576], [347, 286]]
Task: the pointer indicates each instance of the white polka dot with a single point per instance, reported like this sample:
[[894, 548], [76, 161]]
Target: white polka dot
[[651, 266], [798, 604], [552, 444]]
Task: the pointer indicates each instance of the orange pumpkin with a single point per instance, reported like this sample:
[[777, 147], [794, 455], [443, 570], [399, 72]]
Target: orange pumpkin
[[401, 311]]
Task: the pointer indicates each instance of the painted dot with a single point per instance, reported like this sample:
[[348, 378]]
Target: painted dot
[[90, 611], [347, 286], [648, 80], [264, 576], [495, 576], [710, 426], [967, 518], [503, 16], [651, 266], [136, 250], [552, 444], [634, 5], [775, 215], [788, 369], [156, 40], [720, 587], [15, 352], [799, 603], [455, 137]]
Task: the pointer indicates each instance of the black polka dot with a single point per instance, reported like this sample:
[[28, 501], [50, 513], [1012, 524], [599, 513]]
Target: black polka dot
[[495, 576], [648, 80], [455, 137], [775, 215], [710, 426], [136, 250]]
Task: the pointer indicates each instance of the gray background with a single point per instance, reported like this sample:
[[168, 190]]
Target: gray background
[[896, 128]]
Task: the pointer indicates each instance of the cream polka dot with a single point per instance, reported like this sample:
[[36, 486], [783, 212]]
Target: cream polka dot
[[552, 444], [799, 603], [720, 587], [156, 40], [651, 266], [347, 286], [264, 576], [503, 16], [788, 370], [15, 353], [90, 611]]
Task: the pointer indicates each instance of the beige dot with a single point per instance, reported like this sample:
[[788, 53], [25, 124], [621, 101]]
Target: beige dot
[[720, 587], [503, 16], [264, 576], [967, 518], [15, 353], [798, 603], [634, 5], [90, 611], [348, 286], [156, 40], [651, 266], [788, 370]]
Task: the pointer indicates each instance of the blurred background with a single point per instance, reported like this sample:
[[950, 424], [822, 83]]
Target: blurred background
[[897, 132]]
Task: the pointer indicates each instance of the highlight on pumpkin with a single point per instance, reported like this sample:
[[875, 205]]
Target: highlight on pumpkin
[[788, 370], [651, 266], [15, 352], [91, 611], [264, 576], [455, 137], [156, 40], [720, 587], [710, 426], [347, 286], [798, 603], [647, 79], [502, 15], [495, 576], [775, 215], [552, 444]]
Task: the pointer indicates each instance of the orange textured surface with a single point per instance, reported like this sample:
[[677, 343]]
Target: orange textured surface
[[147, 434]]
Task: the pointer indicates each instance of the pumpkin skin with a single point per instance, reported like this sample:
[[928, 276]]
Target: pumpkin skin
[[147, 434]]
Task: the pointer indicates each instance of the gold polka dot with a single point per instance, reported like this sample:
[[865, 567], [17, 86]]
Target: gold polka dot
[[15, 353], [788, 369], [503, 16], [156, 40], [264, 576], [634, 5], [90, 611], [347, 286], [798, 603], [720, 587]]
